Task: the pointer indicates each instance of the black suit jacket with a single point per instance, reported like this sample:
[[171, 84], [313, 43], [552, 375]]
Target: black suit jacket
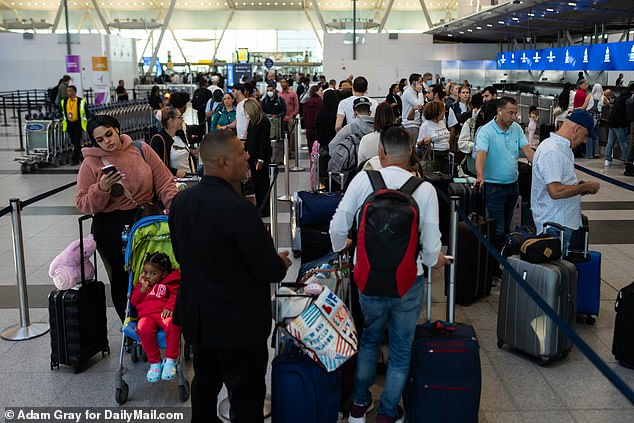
[[227, 261], [258, 143]]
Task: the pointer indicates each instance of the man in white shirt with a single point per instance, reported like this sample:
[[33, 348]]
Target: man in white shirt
[[555, 191], [400, 314], [241, 124], [215, 80], [413, 98], [345, 108]]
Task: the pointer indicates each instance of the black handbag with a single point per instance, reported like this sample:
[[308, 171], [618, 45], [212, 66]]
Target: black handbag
[[541, 249]]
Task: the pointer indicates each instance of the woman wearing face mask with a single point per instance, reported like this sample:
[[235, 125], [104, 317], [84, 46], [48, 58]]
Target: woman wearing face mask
[[310, 112], [115, 179]]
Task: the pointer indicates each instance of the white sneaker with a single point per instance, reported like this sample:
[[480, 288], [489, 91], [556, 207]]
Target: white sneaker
[[607, 163]]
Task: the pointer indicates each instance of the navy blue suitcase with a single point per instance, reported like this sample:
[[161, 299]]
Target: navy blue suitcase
[[301, 390], [445, 378], [588, 264]]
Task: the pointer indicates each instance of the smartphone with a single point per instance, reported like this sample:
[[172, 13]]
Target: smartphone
[[109, 169]]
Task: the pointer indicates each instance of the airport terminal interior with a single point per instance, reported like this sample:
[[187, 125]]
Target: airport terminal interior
[[458, 40]]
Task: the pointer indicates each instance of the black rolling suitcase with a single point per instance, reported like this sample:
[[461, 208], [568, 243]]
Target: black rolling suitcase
[[623, 341], [78, 320], [441, 183], [445, 376], [474, 264]]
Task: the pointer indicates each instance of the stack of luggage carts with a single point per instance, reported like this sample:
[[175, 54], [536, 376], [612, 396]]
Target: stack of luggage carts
[[148, 235]]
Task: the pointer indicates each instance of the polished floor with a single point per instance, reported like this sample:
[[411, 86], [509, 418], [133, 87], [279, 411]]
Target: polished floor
[[515, 388]]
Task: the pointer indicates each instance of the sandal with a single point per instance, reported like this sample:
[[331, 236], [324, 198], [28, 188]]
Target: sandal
[[169, 370], [154, 372]]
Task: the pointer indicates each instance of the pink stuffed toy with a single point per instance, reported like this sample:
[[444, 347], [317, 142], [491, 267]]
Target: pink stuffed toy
[[65, 268]]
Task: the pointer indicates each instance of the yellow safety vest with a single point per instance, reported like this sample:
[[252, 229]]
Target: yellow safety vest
[[81, 105]]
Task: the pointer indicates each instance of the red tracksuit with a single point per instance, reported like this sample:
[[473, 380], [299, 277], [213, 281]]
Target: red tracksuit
[[149, 306]]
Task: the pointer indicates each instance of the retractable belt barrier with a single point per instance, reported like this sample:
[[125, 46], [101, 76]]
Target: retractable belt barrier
[[598, 175], [25, 329], [550, 313]]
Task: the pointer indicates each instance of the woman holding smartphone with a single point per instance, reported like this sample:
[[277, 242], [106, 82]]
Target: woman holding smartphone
[[116, 179]]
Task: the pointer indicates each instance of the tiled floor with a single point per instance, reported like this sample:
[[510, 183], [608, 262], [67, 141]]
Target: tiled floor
[[515, 388]]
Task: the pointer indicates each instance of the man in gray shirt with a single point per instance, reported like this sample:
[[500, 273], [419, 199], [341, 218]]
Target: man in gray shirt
[[555, 191]]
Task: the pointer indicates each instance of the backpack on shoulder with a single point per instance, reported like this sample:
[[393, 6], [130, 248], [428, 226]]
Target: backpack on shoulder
[[387, 239], [200, 98], [344, 158]]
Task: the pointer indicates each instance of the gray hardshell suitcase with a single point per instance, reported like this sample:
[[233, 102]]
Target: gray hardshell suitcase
[[522, 324]]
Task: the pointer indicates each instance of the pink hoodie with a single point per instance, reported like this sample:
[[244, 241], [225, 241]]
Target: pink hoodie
[[142, 176]]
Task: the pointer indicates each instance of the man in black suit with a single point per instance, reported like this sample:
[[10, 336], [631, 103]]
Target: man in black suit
[[228, 262]]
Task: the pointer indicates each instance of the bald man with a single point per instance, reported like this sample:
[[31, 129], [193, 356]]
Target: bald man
[[227, 261]]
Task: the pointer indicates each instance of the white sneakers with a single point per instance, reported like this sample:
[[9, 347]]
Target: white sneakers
[[607, 163]]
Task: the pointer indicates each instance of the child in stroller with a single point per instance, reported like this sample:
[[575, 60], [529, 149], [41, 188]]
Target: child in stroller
[[154, 298]]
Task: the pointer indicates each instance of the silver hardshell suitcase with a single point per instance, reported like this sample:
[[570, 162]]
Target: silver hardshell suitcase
[[525, 326]]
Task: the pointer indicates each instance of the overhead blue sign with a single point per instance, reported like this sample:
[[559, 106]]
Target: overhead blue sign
[[268, 63], [596, 57]]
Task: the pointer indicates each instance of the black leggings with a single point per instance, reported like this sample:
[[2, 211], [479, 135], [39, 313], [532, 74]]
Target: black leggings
[[261, 182], [107, 228]]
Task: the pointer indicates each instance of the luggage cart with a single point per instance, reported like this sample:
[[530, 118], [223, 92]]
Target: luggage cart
[[39, 140]]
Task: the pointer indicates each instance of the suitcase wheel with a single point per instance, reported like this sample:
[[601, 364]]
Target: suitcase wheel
[[54, 365], [500, 343], [121, 395], [297, 254], [590, 319], [543, 361], [105, 351], [183, 391], [77, 368]]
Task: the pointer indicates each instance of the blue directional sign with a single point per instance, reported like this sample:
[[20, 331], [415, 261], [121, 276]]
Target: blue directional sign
[[268, 63], [596, 57]]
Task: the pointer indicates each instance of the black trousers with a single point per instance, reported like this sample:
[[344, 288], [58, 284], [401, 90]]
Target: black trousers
[[107, 228], [242, 371], [261, 182], [75, 131]]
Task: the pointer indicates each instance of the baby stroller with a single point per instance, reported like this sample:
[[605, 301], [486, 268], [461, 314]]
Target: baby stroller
[[149, 234]]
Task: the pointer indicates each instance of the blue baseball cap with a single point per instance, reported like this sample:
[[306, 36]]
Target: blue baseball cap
[[583, 118]]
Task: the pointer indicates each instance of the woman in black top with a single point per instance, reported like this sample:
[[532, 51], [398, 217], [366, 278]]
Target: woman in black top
[[326, 119], [258, 145], [156, 102], [170, 146], [393, 99]]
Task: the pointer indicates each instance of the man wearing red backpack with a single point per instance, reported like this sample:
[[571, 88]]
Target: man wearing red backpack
[[395, 218]]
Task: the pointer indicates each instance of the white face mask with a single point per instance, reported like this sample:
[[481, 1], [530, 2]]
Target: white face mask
[[269, 93]]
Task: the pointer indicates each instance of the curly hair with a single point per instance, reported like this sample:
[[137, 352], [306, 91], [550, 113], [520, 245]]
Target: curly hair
[[433, 109]]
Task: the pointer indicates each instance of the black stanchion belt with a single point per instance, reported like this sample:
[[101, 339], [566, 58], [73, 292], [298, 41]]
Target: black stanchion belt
[[47, 194], [598, 175], [569, 331]]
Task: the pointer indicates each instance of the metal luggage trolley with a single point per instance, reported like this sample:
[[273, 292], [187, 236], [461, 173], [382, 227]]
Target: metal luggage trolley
[[39, 146]]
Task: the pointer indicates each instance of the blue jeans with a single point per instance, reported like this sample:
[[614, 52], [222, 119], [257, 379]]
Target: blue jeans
[[619, 134], [400, 316], [501, 201], [554, 232], [592, 145]]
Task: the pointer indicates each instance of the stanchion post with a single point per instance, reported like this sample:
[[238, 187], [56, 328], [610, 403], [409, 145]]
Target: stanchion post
[[287, 173], [273, 202], [13, 104], [26, 329], [453, 236], [20, 130], [298, 137], [4, 110]]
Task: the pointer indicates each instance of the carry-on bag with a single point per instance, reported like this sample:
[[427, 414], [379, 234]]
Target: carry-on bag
[[522, 324], [78, 320], [475, 266], [445, 377], [441, 183], [588, 264], [623, 341], [302, 390], [578, 238]]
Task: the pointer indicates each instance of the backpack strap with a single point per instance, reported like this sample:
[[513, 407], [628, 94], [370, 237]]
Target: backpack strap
[[376, 180], [411, 185], [137, 144]]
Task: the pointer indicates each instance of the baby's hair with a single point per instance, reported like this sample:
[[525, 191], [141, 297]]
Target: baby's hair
[[160, 260], [532, 109]]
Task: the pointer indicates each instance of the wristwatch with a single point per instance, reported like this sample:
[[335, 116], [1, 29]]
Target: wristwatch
[[260, 161]]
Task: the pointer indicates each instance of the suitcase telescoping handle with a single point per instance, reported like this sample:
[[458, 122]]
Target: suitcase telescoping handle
[[330, 180], [315, 183], [81, 248], [561, 233], [453, 248]]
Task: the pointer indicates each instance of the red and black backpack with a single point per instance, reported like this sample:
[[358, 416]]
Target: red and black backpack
[[387, 239]]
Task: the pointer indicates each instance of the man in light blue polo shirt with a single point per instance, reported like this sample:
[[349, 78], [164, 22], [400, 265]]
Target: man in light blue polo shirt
[[555, 191], [498, 146]]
